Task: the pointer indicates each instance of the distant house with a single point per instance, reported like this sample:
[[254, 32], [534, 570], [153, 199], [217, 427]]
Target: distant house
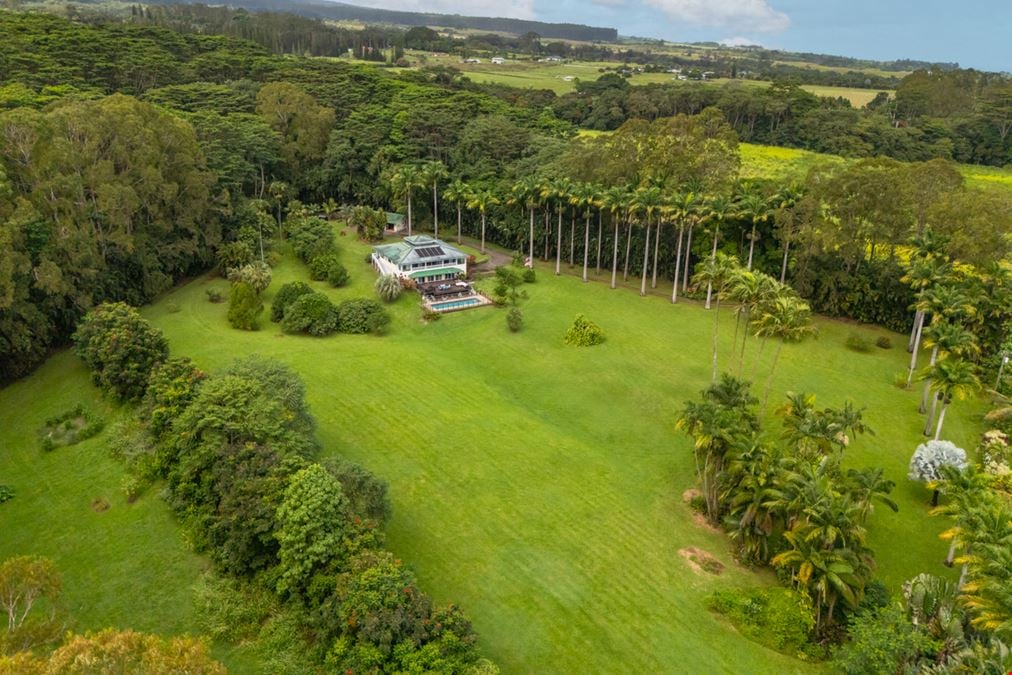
[[472, 60], [568, 78], [395, 222], [420, 258], [552, 58], [498, 60]]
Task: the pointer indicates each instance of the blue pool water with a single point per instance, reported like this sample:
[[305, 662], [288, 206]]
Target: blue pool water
[[455, 304]]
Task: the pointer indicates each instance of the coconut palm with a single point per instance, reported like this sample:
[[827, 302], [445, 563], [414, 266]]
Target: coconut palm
[[647, 202], [716, 210], [684, 206], [527, 193], [404, 179], [951, 377], [482, 200], [787, 318], [755, 208], [431, 173], [944, 338], [716, 273], [615, 200], [584, 196], [459, 193]]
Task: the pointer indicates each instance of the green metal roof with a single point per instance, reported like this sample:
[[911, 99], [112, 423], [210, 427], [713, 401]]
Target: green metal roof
[[439, 270]]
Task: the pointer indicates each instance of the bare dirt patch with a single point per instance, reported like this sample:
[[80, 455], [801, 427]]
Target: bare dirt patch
[[700, 561], [98, 505], [691, 494]]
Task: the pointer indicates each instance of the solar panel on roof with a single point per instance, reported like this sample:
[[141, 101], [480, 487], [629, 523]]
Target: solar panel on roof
[[430, 251]]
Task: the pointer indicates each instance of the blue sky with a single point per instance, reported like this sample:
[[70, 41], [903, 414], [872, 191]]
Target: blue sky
[[976, 33]]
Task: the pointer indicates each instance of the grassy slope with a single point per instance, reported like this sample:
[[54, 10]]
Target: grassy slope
[[125, 567], [539, 485]]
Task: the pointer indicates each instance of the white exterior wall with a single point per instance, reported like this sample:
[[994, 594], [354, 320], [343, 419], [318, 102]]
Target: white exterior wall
[[385, 267]]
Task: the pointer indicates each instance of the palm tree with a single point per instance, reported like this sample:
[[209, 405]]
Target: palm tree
[[584, 195], [788, 318], [615, 199], [647, 201], [459, 193], [942, 302], [951, 378], [430, 174], [751, 290], [944, 338], [786, 216], [684, 206], [716, 211], [964, 488], [403, 180], [756, 209], [716, 272], [559, 191], [481, 200], [925, 268], [526, 192]]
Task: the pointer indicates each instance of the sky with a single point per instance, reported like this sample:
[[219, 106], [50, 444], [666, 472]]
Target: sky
[[974, 33]]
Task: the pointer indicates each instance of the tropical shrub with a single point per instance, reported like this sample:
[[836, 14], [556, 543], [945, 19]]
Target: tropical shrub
[[244, 306], [214, 295], [882, 641], [361, 315], [311, 313], [529, 275], [883, 342], [257, 274], [366, 494], [369, 223], [328, 267], [507, 286], [6, 493], [121, 349], [337, 275], [858, 343], [996, 458], [233, 255], [285, 296], [171, 387], [30, 585], [388, 288], [584, 333], [780, 618], [310, 237], [514, 319]]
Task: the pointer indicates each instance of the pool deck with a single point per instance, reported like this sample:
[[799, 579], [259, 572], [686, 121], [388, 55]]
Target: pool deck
[[431, 305]]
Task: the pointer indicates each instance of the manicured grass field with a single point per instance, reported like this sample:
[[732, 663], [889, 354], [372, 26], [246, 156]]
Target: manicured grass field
[[540, 486]]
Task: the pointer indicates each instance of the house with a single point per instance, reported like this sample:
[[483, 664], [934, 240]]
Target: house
[[498, 60], [472, 60], [420, 258], [552, 59], [395, 222]]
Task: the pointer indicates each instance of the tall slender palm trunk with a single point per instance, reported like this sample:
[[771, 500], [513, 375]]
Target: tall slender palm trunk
[[599, 233], [751, 247], [628, 245], [773, 372], [913, 353], [646, 260], [531, 249], [713, 257], [409, 214], [586, 245], [716, 327], [783, 265], [483, 231], [657, 248], [941, 420], [459, 225], [548, 233], [572, 239], [435, 212], [688, 261], [918, 318], [558, 247], [678, 265], [614, 255], [927, 384]]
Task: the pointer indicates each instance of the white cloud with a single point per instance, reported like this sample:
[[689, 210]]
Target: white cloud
[[608, 3], [515, 9], [750, 15], [739, 41]]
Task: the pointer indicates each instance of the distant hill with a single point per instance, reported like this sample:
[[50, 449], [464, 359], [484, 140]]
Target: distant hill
[[339, 11]]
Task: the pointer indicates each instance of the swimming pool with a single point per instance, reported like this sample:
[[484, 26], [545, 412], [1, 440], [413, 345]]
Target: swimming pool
[[455, 304]]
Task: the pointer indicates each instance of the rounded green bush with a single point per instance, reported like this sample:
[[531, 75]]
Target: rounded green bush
[[285, 296], [361, 315], [584, 333], [514, 320], [312, 313]]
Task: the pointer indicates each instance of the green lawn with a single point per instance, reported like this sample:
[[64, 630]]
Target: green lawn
[[539, 486]]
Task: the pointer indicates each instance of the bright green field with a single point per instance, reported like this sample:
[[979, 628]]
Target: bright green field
[[538, 486]]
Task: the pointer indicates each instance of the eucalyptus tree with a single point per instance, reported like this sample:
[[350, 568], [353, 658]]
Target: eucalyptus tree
[[481, 200], [647, 201], [526, 192], [684, 207], [459, 193], [615, 199], [755, 208], [717, 209], [431, 173], [951, 378]]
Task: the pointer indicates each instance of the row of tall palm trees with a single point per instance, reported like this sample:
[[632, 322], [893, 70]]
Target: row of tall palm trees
[[646, 209]]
